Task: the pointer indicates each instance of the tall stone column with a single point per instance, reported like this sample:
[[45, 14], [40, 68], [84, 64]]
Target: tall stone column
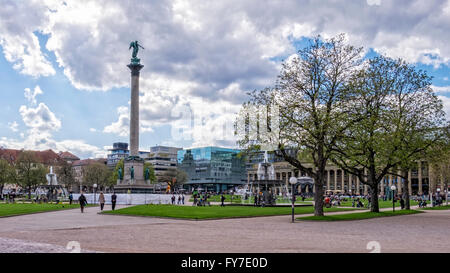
[[328, 179], [134, 111], [358, 192], [399, 183], [342, 181], [335, 179], [350, 184]]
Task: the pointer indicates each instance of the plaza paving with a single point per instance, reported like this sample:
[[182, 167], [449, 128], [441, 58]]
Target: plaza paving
[[51, 231]]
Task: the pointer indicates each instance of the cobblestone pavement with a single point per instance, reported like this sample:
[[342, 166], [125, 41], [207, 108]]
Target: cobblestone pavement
[[425, 232], [20, 246]]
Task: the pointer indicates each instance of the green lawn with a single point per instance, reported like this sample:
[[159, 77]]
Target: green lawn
[[20, 209], [437, 208], [358, 216], [212, 212]]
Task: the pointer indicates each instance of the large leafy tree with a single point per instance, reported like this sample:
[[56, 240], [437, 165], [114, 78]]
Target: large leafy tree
[[7, 174], [97, 173], [174, 178], [66, 175], [311, 98], [115, 174], [152, 175], [30, 173], [397, 117]]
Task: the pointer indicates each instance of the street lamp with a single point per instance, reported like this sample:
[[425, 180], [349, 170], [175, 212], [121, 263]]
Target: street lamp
[[95, 188], [393, 188], [293, 181]]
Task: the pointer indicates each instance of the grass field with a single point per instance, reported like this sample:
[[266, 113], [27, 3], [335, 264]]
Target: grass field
[[358, 215], [20, 209], [212, 212]]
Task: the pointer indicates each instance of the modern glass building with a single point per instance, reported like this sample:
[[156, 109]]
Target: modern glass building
[[212, 168]]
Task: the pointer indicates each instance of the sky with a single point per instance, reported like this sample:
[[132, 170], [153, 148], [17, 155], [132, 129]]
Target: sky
[[64, 83]]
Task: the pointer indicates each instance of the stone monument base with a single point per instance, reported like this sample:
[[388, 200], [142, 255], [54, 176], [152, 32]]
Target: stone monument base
[[138, 183], [134, 188]]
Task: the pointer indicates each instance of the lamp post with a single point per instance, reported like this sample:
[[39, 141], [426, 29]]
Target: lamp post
[[393, 188], [95, 190], [293, 181]]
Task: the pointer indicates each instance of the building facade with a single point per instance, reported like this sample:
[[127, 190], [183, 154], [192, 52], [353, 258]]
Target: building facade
[[163, 158], [212, 168]]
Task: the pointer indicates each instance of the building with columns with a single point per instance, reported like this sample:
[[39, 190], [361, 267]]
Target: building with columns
[[339, 181]]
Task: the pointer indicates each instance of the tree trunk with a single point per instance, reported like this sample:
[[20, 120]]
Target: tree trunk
[[374, 207], [406, 190], [318, 199], [29, 192]]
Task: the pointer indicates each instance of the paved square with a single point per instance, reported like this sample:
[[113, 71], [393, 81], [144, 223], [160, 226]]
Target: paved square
[[425, 232]]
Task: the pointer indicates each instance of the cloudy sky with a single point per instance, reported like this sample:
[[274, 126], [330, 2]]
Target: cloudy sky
[[64, 83]]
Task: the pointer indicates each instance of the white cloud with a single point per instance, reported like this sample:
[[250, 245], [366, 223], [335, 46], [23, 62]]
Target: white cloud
[[441, 89], [13, 126], [31, 95], [446, 104], [92, 130], [373, 2], [41, 123], [20, 45], [122, 126], [40, 119]]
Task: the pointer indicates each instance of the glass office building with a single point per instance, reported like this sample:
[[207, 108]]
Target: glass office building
[[212, 168]]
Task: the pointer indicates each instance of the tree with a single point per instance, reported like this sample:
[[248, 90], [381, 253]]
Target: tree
[[152, 176], [7, 175], [97, 173], [29, 172], [310, 99], [395, 114], [174, 177], [115, 174], [66, 175], [439, 163]]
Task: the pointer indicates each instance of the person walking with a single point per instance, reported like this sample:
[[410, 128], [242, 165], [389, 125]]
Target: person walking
[[179, 200], [402, 203], [70, 198], [222, 199], [113, 200], [83, 202], [101, 200], [173, 199], [182, 199]]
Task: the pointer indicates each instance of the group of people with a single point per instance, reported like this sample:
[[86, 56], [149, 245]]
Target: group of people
[[201, 200], [179, 200], [101, 200]]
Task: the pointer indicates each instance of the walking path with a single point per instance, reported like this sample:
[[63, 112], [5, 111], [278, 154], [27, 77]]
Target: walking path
[[52, 231]]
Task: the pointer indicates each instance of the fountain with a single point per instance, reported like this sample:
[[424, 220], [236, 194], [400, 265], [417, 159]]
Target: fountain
[[52, 191], [266, 185]]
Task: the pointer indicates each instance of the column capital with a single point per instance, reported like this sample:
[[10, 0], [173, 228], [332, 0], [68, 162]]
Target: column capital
[[135, 68]]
